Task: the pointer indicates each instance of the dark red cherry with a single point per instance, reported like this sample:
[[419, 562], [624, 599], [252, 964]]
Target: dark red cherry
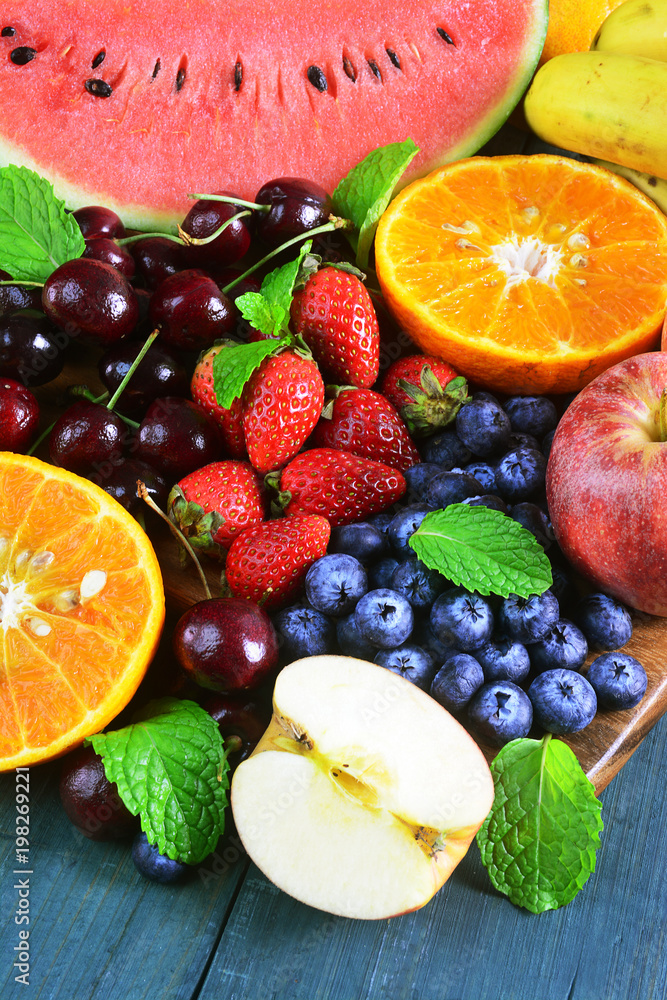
[[176, 437], [191, 311], [249, 283], [297, 206], [119, 480], [156, 258], [239, 716], [203, 219], [16, 297], [226, 644], [158, 374], [31, 350], [107, 250], [91, 801], [19, 416], [91, 299], [94, 220], [86, 436]]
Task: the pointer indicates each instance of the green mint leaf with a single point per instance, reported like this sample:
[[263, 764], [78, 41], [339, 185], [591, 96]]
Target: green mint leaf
[[170, 768], [269, 309], [483, 550], [259, 313], [36, 233], [233, 366], [365, 192], [538, 843]]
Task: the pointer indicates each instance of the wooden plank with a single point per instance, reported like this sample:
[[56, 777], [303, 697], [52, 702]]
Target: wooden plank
[[470, 942]]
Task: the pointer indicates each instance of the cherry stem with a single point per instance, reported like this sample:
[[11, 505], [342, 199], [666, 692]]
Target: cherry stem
[[201, 241], [662, 416], [175, 530], [228, 200], [232, 744], [24, 284], [131, 370], [328, 227], [144, 236]]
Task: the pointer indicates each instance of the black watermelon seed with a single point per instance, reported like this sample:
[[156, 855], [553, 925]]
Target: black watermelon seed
[[375, 69], [98, 88], [22, 55], [317, 78], [238, 75], [394, 58], [156, 69], [349, 69], [180, 79], [8, 32], [447, 38], [99, 59]]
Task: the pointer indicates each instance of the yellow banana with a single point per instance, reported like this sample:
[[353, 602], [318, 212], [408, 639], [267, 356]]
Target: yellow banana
[[654, 187], [609, 106], [636, 28]]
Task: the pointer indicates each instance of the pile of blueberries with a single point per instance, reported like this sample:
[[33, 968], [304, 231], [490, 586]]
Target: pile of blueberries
[[503, 665]]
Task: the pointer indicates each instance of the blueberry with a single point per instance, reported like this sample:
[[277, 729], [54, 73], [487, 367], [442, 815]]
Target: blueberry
[[457, 681], [410, 661], [563, 701], [504, 660], [361, 539], [521, 473], [381, 572], [531, 516], [334, 583], [562, 585], [462, 619], [304, 632], [527, 619], [520, 440], [563, 646], [440, 651], [483, 426], [488, 500], [531, 414], [384, 617], [501, 712], [445, 449], [153, 865], [418, 477], [417, 583], [483, 472], [350, 642], [618, 679], [452, 487], [605, 622], [403, 526]]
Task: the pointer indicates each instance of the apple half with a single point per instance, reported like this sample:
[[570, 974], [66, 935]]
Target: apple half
[[363, 794]]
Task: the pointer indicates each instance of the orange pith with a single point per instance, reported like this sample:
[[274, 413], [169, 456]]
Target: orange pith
[[81, 609], [529, 274]]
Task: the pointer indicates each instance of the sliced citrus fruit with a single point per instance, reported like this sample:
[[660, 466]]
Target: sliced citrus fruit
[[81, 609], [529, 274]]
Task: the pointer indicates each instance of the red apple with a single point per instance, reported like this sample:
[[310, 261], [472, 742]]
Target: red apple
[[607, 482]]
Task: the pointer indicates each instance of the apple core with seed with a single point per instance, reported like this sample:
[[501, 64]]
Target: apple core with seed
[[363, 794]]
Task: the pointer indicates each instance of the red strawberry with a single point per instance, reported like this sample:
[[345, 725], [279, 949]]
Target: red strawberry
[[282, 402], [268, 563], [426, 391], [230, 421], [366, 424], [339, 486], [214, 504], [335, 316]]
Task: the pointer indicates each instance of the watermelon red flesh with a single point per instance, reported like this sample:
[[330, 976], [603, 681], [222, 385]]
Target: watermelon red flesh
[[217, 95]]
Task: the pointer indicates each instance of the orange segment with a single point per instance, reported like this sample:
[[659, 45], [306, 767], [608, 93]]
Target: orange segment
[[529, 274], [81, 609]]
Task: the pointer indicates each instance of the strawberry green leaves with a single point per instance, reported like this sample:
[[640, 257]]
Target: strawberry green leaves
[[539, 841], [36, 233], [365, 192], [170, 768], [482, 550]]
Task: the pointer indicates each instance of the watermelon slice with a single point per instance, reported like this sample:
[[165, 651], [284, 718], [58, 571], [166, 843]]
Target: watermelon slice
[[133, 104]]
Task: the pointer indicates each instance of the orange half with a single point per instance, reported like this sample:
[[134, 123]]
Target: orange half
[[81, 609], [529, 274]]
